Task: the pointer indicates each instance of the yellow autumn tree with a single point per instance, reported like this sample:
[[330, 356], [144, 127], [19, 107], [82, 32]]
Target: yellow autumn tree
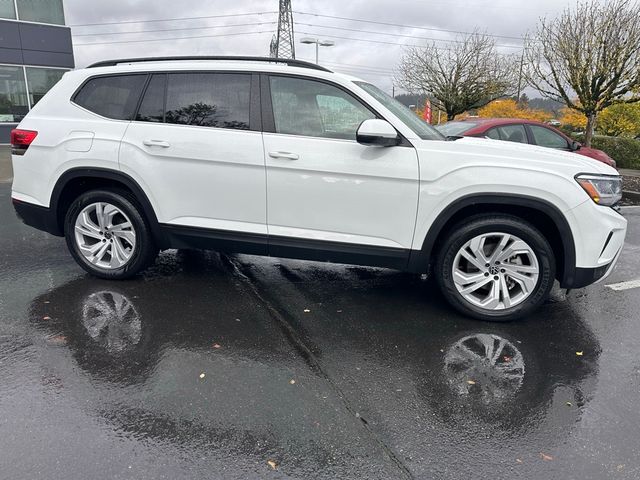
[[508, 108], [573, 119], [622, 119]]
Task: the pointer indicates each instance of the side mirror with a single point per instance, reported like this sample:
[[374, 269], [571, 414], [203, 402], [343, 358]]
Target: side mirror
[[575, 146], [378, 133]]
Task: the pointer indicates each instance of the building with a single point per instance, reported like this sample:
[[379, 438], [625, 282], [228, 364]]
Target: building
[[35, 51]]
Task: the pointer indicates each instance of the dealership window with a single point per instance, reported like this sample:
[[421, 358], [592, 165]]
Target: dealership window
[[13, 94], [45, 11], [40, 81], [7, 9]]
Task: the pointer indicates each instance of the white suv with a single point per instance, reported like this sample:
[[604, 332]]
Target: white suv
[[288, 159]]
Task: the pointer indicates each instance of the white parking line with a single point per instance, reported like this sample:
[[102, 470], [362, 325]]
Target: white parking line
[[625, 285]]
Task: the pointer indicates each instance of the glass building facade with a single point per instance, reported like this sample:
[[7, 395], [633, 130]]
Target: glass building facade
[[35, 51]]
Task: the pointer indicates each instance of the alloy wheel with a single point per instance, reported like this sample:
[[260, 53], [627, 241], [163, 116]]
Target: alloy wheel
[[105, 236], [495, 271]]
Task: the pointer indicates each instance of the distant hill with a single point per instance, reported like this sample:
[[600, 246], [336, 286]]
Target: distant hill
[[545, 104], [411, 99]]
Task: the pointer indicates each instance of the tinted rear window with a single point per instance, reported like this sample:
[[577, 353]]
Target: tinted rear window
[[208, 99], [455, 128], [112, 97]]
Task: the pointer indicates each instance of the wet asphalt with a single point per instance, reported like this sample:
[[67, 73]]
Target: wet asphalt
[[239, 367]]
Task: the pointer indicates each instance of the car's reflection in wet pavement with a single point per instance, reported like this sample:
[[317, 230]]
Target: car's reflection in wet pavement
[[210, 366]]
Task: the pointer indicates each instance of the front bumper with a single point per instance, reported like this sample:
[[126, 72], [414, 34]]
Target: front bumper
[[37, 216], [599, 234]]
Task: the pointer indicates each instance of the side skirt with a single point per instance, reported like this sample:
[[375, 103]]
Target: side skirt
[[285, 247]]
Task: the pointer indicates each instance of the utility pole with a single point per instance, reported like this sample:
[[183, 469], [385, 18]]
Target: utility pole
[[282, 42]]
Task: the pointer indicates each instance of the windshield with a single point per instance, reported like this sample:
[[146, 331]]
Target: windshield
[[455, 128], [410, 119]]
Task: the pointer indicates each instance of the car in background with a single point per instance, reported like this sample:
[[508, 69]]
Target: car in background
[[521, 131]]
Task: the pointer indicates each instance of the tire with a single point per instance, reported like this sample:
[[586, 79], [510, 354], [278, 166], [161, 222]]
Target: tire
[[504, 290], [126, 250]]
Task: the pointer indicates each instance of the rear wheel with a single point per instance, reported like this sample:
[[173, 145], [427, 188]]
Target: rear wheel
[[495, 267], [108, 236]]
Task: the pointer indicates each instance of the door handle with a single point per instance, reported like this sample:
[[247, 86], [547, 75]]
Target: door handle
[[156, 143], [287, 155]]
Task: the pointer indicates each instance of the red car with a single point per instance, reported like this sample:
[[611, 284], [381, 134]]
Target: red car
[[522, 131]]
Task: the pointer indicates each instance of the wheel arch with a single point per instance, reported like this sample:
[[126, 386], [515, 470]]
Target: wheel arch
[[76, 181], [542, 214]]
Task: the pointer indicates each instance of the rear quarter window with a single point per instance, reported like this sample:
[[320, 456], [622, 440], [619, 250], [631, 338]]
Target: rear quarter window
[[115, 96]]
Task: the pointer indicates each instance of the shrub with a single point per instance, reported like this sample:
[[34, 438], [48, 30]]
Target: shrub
[[625, 151]]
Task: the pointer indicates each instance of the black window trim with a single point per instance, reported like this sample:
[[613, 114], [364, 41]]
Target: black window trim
[[268, 120], [255, 114]]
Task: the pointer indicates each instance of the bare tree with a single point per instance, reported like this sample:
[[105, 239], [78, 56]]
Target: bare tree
[[588, 57], [469, 74]]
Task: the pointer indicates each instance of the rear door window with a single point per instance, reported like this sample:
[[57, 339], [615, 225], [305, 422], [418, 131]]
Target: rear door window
[[115, 96], [206, 99]]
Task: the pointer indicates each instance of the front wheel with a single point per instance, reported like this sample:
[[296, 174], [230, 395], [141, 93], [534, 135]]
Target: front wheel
[[495, 267], [108, 236]]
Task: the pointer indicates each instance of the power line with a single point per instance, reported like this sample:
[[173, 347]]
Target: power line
[[172, 29], [170, 19], [380, 41], [171, 38], [396, 34], [400, 25]]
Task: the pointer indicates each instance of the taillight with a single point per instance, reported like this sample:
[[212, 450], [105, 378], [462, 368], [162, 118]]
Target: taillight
[[21, 139]]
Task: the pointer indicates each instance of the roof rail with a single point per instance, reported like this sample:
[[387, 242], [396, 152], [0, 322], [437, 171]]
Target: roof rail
[[287, 61]]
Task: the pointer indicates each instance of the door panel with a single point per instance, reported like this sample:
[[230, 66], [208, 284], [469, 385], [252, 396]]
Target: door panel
[[341, 191], [192, 151], [210, 178]]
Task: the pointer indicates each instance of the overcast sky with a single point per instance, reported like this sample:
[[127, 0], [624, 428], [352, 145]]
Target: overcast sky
[[355, 52]]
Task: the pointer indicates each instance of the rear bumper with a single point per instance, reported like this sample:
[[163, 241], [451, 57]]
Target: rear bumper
[[37, 216]]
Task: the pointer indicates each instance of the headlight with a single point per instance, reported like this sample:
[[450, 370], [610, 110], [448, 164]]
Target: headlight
[[603, 189]]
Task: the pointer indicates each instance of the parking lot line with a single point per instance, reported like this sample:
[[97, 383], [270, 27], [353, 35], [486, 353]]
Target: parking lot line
[[625, 285]]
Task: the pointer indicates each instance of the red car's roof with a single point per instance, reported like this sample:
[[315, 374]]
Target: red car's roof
[[490, 122]]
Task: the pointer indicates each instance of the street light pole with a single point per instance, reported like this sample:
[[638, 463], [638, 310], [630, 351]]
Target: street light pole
[[318, 43]]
